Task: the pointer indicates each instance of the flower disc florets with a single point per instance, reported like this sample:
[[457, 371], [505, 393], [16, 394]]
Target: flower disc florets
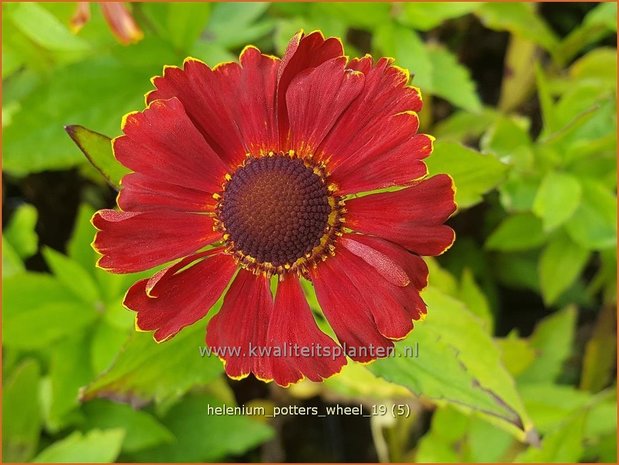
[[277, 213]]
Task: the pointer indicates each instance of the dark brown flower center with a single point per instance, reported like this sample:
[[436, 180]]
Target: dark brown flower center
[[275, 210]]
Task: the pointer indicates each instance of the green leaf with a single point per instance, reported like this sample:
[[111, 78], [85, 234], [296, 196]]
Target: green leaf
[[38, 311], [599, 65], [463, 126], [601, 21], [519, 19], [12, 263], [69, 370], [474, 174], [550, 115], [98, 150], [356, 380], [518, 192], [363, 15], [447, 433], [599, 361], [552, 339], [435, 69], [560, 264], [551, 404], [141, 428], [594, 224], [72, 275], [94, 446], [235, 24], [452, 81], [408, 50], [519, 76], [145, 370], [40, 26], [186, 22], [106, 342], [557, 199], [471, 373], [20, 232], [475, 300], [88, 93], [508, 139], [204, 437], [564, 445], [21, 419], [517, 232], [427, 15], [517, 353]]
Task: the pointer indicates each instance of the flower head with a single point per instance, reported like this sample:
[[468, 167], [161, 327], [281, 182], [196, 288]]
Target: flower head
[[269, 168]]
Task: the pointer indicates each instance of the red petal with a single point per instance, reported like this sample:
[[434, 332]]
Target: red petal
[[254, 109], [292, 327], [232, 104], [388, 269], [398, 166], [143, 193], [241, 324], [371, 121], [207, 96], [181, 296], [303, 53], [411, 217], [161, 142], [316, 98], [413, 265], [347, 311], [393, 307], [132, 241]]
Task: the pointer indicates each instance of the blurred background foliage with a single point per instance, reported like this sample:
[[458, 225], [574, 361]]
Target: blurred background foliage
[[517, 356]]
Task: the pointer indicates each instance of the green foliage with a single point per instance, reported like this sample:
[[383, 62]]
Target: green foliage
[[95, 446], [98, 150], [21, 417], [471, 373], [517, 357]]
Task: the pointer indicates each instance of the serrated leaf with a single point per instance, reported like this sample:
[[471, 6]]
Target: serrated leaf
[[471, 373], [453, 81], [517, 233], [98, 150], [557, 199], [408, 50], [94, 446], [560, 264], [474, 174]]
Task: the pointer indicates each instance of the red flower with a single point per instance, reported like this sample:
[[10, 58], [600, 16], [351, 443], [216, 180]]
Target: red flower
[[251, 170]]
